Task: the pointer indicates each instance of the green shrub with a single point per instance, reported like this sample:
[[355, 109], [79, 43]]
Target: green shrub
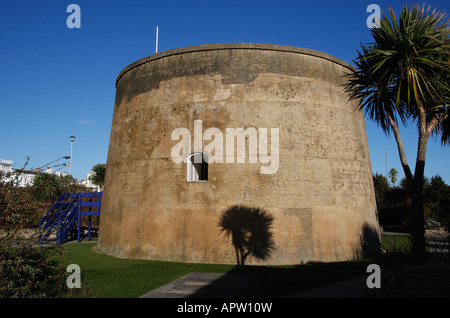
[[25, 271]]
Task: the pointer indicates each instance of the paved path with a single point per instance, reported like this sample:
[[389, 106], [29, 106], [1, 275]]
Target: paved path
[[220, 285], [202, 285], [353, 288]]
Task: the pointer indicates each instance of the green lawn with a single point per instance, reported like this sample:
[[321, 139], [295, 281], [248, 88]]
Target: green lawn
[[107, 276], [398, 243]]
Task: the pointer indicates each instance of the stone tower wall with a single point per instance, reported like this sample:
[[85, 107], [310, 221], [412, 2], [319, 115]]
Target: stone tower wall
[[318, 205]]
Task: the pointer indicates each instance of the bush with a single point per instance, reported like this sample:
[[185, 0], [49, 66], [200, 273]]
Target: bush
[[438, 195], [48, 187], [25, 270]]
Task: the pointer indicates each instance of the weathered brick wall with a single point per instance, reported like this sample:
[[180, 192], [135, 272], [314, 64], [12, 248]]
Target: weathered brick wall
[[321, 198]]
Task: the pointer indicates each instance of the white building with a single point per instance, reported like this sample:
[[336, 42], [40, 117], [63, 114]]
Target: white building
[[6, 166], [88, 182], [23, 179]]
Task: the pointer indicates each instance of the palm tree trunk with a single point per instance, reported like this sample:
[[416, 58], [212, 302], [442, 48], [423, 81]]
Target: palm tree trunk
[[402, 153], [415, 189], [418, 223], [417, 203]]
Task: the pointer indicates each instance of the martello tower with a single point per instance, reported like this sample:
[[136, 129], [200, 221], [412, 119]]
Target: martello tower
[[317, 205]]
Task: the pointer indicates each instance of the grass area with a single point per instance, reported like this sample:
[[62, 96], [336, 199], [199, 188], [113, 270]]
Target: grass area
[[398, 243], [110, 277]]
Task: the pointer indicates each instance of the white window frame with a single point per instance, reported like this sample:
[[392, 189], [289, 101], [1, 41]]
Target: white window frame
[[197, 172]]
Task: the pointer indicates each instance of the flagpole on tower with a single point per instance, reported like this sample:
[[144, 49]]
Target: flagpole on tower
[[156, 39]]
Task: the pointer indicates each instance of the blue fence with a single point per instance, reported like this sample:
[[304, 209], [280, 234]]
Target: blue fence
[[66, 212]]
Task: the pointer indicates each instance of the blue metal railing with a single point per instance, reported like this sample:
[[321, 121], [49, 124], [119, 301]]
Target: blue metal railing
[[67, 211]]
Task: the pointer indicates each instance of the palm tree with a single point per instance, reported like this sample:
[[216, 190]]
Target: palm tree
[[98, 178], [404, 75], [393, 175]]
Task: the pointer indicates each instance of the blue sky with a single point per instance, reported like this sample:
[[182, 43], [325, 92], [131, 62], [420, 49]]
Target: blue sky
[[56, 82]]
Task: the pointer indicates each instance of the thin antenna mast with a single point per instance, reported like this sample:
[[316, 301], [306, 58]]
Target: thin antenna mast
[[387, 179], [156, 39]]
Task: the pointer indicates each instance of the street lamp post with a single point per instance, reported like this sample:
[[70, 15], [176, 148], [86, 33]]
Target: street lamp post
[[71, 147]]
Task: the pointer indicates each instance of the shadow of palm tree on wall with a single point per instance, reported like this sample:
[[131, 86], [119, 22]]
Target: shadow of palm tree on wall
[[250, 233]]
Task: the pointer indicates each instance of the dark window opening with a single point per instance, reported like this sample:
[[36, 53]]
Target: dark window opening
[[197, 167]]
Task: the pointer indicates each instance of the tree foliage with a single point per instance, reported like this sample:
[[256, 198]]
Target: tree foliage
[[437, 195], [394, 207], [48, 187], [25, 269], [393, 176], [98, 178], [381, 186], [403, 75]]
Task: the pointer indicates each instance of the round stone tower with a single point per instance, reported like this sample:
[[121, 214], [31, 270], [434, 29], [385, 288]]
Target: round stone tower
[[238, 153]]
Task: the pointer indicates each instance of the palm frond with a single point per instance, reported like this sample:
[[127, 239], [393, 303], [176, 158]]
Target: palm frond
[[406, 67]]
